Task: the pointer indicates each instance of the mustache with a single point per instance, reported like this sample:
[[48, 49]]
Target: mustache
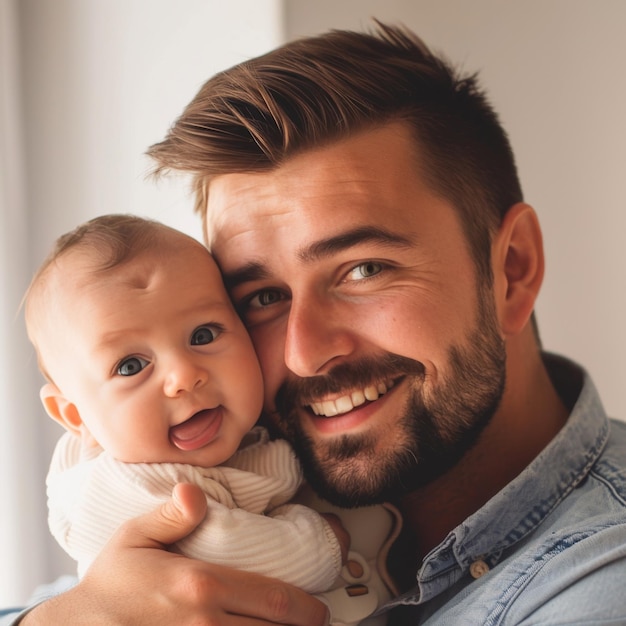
[[296, 391]]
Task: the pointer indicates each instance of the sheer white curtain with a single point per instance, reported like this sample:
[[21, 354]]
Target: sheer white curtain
[[21, 493]]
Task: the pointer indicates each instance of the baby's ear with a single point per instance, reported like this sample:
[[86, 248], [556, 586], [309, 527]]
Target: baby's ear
[[60, 409]]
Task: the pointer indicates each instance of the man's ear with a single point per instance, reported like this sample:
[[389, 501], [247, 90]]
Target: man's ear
[[60, 409], [518, 264]]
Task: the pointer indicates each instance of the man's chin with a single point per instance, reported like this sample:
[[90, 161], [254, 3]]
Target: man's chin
[[348, 473], [347, 496]]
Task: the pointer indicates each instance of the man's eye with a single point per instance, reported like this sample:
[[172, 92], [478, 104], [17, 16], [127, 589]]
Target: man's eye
[[204, 335], [365, 270], [131, 366], [265, 298]]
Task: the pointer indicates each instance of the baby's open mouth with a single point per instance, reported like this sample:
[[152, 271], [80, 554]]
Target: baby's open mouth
[[201, 428]]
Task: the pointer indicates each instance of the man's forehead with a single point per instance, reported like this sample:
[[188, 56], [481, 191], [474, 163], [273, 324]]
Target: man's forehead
[[222, 212], [241, 205], [308, 164], [360, 176]]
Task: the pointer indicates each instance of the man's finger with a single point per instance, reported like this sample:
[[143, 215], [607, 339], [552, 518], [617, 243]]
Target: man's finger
[[169, 523], [251, 595]]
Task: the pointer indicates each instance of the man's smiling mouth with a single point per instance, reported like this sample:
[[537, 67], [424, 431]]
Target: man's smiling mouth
[[346, 403]]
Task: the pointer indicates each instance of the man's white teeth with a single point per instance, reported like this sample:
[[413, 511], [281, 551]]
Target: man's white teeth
[[344, 404]]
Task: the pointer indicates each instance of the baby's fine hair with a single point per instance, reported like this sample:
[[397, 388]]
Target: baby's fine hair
[[112, 240]]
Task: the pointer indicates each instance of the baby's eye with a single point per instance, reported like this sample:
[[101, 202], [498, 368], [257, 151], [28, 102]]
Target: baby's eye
[[365, 270], [131, 366], [204, 334]]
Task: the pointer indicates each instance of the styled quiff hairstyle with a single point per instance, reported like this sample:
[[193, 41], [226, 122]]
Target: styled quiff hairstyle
[[318, 90]]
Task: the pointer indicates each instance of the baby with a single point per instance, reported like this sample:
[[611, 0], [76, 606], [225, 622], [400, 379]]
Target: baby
[[154, 377]]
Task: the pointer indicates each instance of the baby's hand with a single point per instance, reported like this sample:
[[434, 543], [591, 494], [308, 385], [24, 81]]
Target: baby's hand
[[343, 537]]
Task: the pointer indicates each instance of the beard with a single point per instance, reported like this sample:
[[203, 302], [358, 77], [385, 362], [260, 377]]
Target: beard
[[435, 430]]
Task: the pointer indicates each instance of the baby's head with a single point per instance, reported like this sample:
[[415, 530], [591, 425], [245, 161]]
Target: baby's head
[[140, 345]]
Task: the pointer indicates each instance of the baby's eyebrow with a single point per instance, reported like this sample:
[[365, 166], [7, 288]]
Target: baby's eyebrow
[[348, 239], [110, 338]]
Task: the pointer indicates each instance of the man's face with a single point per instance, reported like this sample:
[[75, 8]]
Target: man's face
[[381, 355]]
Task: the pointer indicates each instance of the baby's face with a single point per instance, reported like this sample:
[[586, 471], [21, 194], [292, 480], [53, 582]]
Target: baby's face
[[155, 359]]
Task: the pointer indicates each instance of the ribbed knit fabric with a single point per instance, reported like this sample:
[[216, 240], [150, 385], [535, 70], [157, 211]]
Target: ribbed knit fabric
[[249, 524]]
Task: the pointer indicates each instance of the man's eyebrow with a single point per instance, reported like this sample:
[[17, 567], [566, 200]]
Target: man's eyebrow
[[317, 250], [250, 272], [348, 239]]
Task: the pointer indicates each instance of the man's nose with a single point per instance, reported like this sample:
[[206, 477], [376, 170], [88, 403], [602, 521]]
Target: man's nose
[[317, 336], [183, 374]]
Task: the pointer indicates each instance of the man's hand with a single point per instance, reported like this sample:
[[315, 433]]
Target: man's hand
[[136, 581]]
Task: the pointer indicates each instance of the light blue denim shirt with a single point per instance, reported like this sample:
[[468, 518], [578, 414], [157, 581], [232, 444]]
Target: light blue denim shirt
[[550, 548]]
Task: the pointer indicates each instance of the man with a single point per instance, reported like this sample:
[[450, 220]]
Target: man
[[363, 204]]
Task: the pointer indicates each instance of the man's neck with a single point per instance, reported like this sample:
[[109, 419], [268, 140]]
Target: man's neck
[[530, 415]]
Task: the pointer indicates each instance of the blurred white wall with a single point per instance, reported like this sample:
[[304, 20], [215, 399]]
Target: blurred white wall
[[95, 82]]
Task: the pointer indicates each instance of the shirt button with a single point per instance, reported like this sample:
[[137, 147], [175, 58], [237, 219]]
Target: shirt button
[[478, 568]]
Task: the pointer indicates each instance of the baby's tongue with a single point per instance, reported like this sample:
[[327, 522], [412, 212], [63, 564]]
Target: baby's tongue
[[197, 431]]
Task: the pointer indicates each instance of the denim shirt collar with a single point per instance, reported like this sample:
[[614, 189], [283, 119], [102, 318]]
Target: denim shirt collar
[[525, 502]]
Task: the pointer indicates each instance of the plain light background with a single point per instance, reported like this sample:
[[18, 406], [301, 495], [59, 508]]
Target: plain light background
[[87, 85]]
